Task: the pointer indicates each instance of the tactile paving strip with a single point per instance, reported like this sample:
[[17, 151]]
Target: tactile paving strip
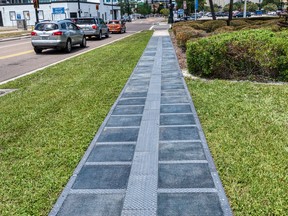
[[145, 185], [141, 196]]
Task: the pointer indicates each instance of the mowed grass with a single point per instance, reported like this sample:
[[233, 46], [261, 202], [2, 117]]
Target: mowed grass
[[48, 123], [14, 34], [246, 126]]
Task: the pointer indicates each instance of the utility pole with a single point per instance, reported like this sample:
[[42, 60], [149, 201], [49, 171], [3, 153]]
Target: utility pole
[[171, 6], [79, 9], [36, 6], [112, 11]]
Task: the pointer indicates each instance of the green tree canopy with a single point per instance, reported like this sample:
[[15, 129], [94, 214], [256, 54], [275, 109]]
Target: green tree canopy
[[144, 8], [191, 5], [240, 7], [276, 2], [165, 12], [270, 7]]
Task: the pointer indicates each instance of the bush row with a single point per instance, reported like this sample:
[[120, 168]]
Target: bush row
[[192, 30], [259, 54]]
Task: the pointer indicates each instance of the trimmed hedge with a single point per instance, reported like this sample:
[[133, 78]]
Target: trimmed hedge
[[252, 54]]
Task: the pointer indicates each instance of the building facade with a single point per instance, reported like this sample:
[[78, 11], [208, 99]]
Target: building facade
[[12, 11]]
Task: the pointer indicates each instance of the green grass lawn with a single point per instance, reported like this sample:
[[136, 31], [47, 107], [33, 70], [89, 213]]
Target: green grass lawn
[[48, 123], [246, 126]]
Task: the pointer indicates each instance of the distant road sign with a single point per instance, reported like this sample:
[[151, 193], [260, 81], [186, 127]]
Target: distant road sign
[[58, 10], [180, 11]]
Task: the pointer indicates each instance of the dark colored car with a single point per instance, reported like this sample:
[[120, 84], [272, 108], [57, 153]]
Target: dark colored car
[[60, 35], [221, 14], [93, 27], [241, 14]]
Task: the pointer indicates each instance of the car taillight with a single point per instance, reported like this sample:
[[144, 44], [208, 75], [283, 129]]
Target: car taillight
[[58, 33], [33, 33], [94, 26]]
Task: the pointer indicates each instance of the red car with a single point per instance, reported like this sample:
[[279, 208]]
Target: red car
[[116, 26]]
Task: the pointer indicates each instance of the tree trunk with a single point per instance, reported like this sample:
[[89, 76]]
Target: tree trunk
[[212, 9], [230, 12]]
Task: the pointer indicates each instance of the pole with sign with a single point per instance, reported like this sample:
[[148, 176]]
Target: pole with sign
[[196, 8], [36, 6]]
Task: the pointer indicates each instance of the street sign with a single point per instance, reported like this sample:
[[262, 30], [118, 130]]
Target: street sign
[[180, 12], [58, 10]]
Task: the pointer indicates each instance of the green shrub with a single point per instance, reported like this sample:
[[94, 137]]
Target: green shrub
[[187, 33], [252, 54], [195, 24], [224, 29], [212, 25], [238, 23]]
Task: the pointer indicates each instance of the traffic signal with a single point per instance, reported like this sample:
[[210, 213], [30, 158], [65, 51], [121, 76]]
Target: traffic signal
[[36, 4]]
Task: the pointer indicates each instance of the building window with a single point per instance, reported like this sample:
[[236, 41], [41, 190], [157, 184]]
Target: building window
[[26, 15], [12, 15]]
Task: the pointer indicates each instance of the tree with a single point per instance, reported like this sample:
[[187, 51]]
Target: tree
[[191, 5], [270, 7], [144, 8], [161, 6], [276, 2], [126, 6], [230, 12], [240, 6], [212, 9], [165, 12]]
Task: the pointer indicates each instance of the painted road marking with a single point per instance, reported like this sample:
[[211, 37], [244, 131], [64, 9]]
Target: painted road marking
[[16, 54]]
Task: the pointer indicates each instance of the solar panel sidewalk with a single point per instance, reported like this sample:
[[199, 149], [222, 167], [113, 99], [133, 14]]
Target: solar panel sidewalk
[[150, 156]]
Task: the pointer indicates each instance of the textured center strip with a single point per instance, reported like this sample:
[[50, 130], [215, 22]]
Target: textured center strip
[[141, 196]]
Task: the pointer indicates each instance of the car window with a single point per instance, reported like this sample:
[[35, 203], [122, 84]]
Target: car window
[[85, 21], [63, 26], [113, 22], [46, 26], [72, 26], [101, 21]]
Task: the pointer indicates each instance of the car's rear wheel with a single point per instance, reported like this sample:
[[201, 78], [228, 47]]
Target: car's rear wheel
[[83, 43], [107, 34], [37, 50], [100, 35], [68, 47]]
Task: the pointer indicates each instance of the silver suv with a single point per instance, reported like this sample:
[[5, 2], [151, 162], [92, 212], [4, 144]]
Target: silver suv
[[93, 26], [61, 34]]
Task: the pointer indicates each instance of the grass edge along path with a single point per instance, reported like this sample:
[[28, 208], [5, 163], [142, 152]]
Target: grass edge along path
[[48, 123], [246, 128]]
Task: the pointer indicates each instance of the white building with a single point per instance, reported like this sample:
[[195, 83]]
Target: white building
[[15, 10]]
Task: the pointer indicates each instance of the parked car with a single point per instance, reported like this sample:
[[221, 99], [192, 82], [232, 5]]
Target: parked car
[[183, 19], [221, 14], [126, 18], [241, 14], [198, 15], [93, 27], [116, 26], [209, 14], [61, 34], [273, 13]]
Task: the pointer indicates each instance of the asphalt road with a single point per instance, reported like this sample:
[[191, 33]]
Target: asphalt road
[[18, 58]]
